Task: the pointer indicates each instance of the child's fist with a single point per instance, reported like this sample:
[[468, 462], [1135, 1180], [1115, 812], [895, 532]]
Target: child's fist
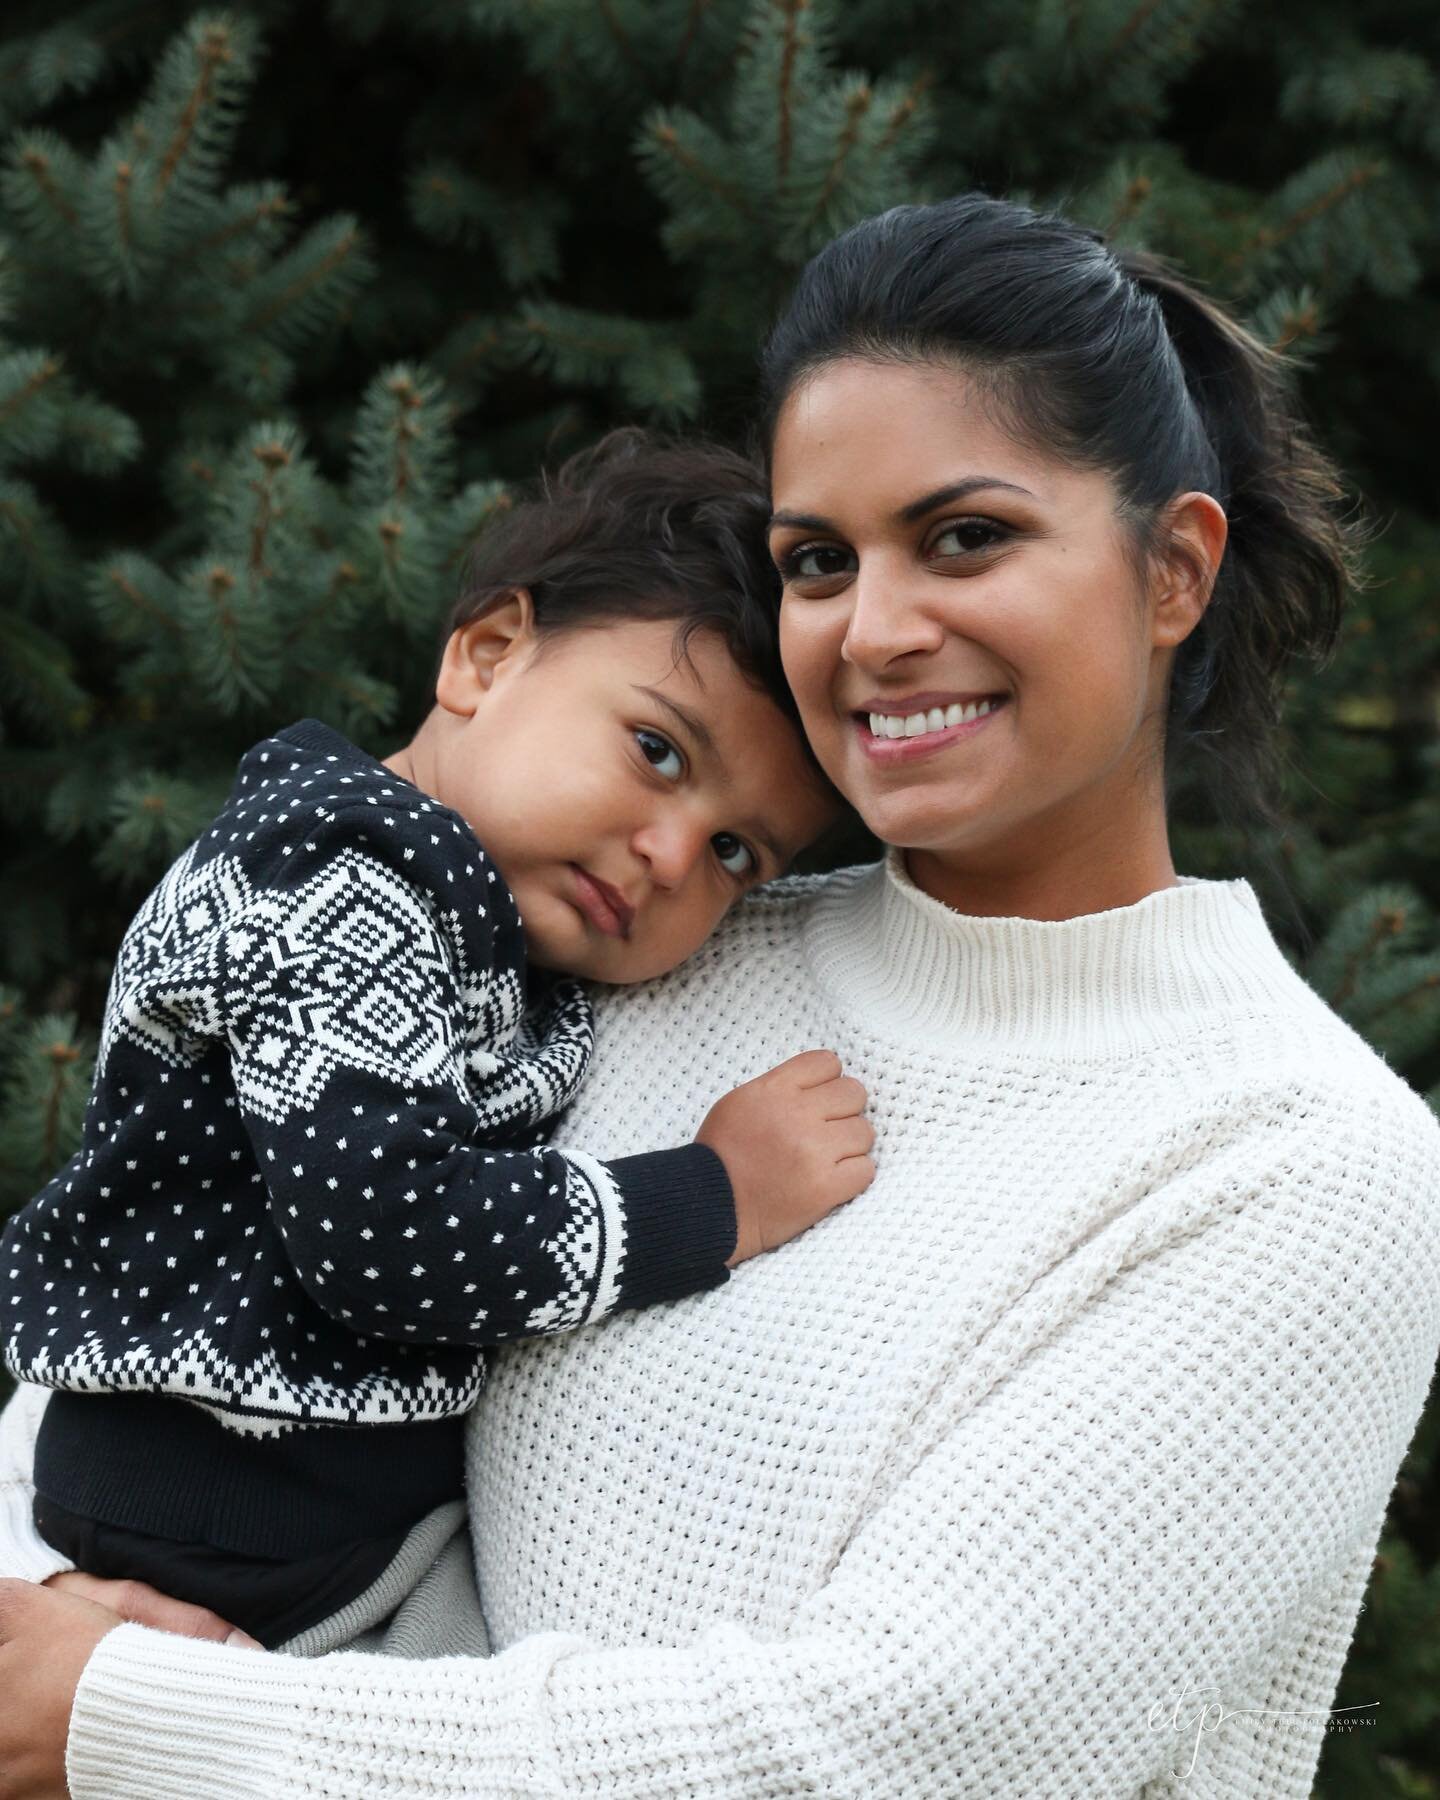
[[795, 1147]]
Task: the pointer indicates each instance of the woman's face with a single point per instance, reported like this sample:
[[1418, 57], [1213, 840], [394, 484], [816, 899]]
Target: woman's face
[[934, 568]]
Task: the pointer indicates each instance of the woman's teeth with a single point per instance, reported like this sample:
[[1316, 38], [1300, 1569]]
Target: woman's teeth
[[908, 725]]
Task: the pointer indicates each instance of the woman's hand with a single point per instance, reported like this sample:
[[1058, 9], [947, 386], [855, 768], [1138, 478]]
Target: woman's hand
[[47, 1635], [138, 1603], [45, 1642]]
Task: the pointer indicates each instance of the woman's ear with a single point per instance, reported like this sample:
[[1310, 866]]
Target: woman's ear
[[1192, 541], [478, 650]]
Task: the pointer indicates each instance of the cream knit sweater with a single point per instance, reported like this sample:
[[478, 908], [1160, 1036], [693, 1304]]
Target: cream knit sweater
[[1075, 1429]]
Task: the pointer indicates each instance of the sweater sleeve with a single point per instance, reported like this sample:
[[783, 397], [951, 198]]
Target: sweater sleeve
[[1052, 1583], [24, 1554], [366, 1016]]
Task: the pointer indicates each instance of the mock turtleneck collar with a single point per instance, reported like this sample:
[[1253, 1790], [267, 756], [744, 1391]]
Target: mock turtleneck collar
[[1096, 985]]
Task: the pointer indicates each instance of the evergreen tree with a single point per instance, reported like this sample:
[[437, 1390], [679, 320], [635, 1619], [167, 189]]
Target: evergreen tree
[[288, 295]]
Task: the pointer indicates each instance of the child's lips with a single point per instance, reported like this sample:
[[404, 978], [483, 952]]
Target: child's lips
[[604, 906]]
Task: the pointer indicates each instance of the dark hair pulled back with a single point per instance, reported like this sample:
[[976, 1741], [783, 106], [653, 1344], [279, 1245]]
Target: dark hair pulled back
[[1109, 359]]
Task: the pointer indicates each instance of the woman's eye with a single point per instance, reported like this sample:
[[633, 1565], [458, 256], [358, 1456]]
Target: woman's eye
[[816, 562], [661, 754], [966, 536], [736, 857]]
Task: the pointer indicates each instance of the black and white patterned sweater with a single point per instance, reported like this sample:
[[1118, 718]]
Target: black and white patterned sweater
[[312, 1182]]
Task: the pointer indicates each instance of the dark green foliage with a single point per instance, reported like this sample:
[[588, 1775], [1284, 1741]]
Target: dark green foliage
[[288, 294]]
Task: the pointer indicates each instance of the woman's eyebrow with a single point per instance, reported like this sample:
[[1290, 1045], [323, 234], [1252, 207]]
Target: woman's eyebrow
[[957, 490], [907, 515]]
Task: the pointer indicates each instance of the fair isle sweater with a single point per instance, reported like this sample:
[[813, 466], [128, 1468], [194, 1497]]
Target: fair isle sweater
[[312, 1184], [1081, 1420]]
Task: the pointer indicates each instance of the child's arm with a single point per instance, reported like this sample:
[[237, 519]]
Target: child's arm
[[375, 1128]]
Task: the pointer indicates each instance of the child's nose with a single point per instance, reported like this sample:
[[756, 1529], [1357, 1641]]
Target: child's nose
[[670, 848]]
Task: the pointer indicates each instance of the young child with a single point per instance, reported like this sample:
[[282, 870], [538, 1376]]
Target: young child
[[312, 1186]]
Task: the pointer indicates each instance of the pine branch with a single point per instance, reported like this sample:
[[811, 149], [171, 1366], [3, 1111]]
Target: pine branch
[[212, 52], [40, 168], [45, 371], [698, 9], [62, 1056], [857, 106], [664, 134], [1389, 922], [1267, 236], [623, 44], [346, 248], [905, 109], [789, 55]]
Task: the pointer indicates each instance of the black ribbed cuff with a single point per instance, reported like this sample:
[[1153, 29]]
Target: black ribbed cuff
[[679, 1223]]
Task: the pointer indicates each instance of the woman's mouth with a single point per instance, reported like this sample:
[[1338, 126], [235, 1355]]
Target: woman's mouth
[[906, 729], [604, 906]]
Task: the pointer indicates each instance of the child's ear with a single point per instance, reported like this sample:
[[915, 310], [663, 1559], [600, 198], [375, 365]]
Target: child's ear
[[476, 651]]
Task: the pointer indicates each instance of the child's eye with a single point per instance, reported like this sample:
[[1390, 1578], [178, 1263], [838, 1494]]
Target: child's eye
[[660, 753], [736, 857]]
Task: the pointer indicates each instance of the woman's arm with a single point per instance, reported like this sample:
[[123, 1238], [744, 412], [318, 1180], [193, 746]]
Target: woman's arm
[[23, 1552], [1147, 1505]]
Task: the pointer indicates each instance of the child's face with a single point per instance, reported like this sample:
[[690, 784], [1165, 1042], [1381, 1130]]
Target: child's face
[[627, 799]]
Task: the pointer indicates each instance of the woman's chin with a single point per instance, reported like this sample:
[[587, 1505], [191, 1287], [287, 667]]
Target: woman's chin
[[924, 822]]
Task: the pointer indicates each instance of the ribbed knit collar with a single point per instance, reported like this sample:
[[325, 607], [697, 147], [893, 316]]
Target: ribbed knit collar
[[1094, 986]]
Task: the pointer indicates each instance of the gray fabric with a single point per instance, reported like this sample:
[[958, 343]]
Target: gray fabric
[[424, 1604]]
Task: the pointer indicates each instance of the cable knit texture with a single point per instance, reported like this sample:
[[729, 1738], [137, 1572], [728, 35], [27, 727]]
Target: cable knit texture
[[1085, 1415]]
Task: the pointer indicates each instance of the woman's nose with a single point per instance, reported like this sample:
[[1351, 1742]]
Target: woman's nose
[[888, 620]]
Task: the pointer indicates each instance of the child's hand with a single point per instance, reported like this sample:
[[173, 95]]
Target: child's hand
[[794, 1146]]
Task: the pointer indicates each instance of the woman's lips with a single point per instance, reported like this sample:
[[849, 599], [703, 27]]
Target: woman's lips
[[605, 908], [896, 750]]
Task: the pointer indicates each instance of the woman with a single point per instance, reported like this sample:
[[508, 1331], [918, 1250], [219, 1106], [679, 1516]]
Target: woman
[[1055, 1464]]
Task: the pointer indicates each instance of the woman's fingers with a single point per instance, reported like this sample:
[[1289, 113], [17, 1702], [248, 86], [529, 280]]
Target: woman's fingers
[[140, 1604]]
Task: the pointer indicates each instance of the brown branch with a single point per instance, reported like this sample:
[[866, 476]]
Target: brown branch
[[1270, 235], [855, 111], [1136, 23], [409, 402], [698, 9], [37, 164], [669, 140], [1302, 324], [62, 1058], [273, 458], [140, 600], [793, 9], [903, 113], [596, 346], [1388, 922], [124, 176], [622, 42], [1137, 192], [345, 574], [214, 49], [275, 207], [45, 374], [304, 283]]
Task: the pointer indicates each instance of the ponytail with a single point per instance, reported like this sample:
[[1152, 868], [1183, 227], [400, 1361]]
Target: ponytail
[[1289, 559]]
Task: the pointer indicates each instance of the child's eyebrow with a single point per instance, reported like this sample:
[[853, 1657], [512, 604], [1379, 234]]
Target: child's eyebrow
[[697, 730]]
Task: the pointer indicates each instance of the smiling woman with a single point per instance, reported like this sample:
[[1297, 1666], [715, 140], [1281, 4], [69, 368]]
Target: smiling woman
[[1055, 1463]]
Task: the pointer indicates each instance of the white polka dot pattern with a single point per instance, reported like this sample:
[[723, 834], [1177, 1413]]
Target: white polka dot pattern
[[312, 1181]]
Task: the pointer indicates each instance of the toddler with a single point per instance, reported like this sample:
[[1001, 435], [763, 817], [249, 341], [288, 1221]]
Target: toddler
[[312, 1185]]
